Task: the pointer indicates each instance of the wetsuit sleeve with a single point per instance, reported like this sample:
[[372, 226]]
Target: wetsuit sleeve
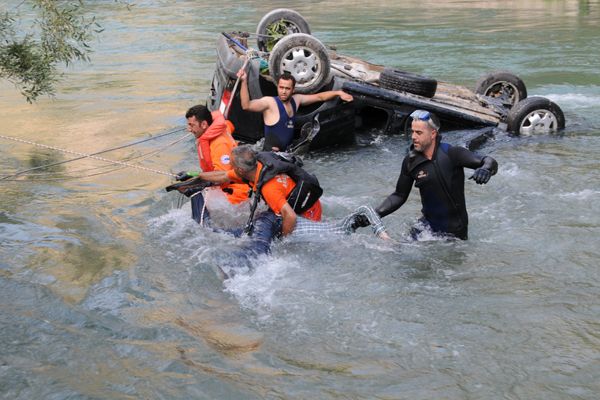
[[395, 200], [466, 158]]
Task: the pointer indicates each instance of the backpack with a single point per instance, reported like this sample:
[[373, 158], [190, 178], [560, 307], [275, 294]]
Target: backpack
[[304, 195]]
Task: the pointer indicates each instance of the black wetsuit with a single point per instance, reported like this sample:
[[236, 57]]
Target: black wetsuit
[[441, 183]]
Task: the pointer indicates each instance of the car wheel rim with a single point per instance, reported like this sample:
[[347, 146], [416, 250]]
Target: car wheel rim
[[539, 121], [505, 91], [303, 64]]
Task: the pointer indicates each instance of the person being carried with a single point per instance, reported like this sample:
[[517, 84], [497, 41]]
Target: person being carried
[[344, 226], [214, 144], [436, 168], [292, 198], [279, 112]]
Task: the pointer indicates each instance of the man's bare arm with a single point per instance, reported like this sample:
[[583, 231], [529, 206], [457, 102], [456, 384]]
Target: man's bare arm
[[288, 217], [306, 99], [256, 105], [214, 176]]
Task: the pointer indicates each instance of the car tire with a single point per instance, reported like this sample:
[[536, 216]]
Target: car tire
[[292, 22], [535, 115], [305, 57], [506, 86], [402, 81]]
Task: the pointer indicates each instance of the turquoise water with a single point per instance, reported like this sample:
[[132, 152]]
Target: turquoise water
[[108, 289]]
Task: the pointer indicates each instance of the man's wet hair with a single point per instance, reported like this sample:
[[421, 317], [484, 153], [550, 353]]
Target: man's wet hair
[[287, 76], [244, 157], [434, 122], [200, 112]]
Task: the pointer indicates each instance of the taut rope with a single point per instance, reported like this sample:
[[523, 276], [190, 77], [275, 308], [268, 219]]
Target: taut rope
[[83, 155]]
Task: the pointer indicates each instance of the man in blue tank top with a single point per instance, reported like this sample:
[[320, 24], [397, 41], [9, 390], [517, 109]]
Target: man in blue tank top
[[279, 113]]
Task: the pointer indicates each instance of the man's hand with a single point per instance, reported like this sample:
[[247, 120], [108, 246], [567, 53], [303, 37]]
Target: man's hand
[[360, 221], [481, 176], [242, 74], [489, 167], [185, 175], [384, 236], [182, 176], [345, 96]]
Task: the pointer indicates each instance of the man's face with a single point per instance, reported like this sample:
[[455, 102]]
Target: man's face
[[423, 136], [285, 89], [195, 127]]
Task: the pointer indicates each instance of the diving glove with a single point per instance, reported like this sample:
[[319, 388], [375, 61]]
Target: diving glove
[[185, 175], [481, 176], [360, 221], [488, 168]]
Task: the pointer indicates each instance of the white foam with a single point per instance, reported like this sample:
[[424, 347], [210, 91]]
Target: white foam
[[175, 221], [509, 169], [377, 140], [575, 100], [585, 194], [172, 215], [258, 290], [346, 202]]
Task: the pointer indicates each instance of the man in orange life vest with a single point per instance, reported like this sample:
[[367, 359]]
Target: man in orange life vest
[[214, 144], [281, 217], [292, 196]]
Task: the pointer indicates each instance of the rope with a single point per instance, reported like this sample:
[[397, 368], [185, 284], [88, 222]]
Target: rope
[[86, 155], [202, 192], [81, 155], [249, 53], [141, 157]]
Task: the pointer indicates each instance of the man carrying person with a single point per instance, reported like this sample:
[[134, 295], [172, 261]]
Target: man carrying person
[[214, 144], [292, 198], [279, 112], [436, 168]]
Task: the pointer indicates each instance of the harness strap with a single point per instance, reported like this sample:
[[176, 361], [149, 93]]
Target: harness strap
[[250, 224]]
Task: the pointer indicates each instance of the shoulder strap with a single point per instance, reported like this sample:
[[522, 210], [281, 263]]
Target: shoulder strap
[[257, 187], [304, 195], [294, 108]]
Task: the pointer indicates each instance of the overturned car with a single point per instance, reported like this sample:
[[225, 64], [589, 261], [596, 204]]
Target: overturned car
[[383, 97]]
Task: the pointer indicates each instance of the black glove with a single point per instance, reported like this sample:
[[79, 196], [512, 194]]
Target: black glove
[[360, 221], [182, 176], [481, 175]]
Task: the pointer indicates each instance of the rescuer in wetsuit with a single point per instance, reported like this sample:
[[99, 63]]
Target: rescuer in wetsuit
[[279, 112], [436, 168]]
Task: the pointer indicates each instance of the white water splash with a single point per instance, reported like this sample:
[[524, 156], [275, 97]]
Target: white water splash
[[575, 100], [509, 169], [258, 289], [585, 194]]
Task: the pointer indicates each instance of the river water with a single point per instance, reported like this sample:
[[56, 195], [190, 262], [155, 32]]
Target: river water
[[108, 290]]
